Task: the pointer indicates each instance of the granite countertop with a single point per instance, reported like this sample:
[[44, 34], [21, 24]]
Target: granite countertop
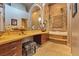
[[14, 37]]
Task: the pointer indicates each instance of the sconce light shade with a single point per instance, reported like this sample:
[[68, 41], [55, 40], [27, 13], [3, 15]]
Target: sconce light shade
[[39, 19]]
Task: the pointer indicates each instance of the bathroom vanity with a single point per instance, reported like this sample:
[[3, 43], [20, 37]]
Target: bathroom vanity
[[11, 45]]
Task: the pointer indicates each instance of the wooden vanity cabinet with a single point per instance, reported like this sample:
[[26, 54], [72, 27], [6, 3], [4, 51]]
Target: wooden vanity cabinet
[[11, 49], [44, 38], [40, 39]]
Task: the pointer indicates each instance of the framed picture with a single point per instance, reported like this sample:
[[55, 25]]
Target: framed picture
[[74, 9], [14, 22]]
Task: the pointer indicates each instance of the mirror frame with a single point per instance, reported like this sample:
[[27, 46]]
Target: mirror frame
[[3, 20]]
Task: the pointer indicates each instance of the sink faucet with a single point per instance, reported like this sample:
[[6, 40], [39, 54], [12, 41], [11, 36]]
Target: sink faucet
[[1, 33], [22, 31]]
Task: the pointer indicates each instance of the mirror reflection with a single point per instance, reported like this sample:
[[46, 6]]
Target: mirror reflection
[[36, 18]]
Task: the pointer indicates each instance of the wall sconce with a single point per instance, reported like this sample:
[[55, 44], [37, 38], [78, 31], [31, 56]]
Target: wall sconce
[[39, 19]]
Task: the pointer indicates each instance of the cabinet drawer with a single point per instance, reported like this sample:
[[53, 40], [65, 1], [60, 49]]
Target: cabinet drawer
[[10, 48], [11, 52], [9, 45]]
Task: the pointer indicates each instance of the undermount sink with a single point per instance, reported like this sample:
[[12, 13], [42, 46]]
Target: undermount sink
[[22, 33]]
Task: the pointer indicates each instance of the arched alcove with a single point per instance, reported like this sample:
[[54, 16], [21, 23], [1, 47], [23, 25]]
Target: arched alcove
[[35, 11]]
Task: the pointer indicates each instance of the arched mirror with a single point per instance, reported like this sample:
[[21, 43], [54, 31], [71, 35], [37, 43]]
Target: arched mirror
[[36, 16]]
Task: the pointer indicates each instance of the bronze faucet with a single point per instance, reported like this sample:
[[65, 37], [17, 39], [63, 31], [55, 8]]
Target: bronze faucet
[[22, 31], [1, 33]]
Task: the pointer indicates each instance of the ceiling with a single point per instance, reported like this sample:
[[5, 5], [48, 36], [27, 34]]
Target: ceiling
[[28, 5], [36, 8]]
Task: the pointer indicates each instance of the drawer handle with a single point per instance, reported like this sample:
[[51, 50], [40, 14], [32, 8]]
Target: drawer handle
[[13, 48], [14, 54]]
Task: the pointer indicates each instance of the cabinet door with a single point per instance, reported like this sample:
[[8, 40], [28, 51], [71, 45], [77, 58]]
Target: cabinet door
[[44, 38], [19, 49]]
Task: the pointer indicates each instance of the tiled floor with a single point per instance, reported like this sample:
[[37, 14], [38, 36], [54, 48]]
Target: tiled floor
[[53, 49]]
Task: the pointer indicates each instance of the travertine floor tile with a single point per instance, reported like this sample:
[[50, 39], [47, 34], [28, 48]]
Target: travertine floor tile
[[53, 49]]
